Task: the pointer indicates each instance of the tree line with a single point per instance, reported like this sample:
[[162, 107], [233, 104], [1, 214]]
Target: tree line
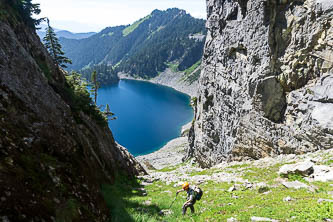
[[161, 38]]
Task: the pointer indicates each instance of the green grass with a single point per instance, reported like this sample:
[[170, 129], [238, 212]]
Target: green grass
[[190, 75], [294, 177], [109, 34], [192, 68], [154, 32], [173, 66], [255, 174], [217, 204], [237, 166], [328, 162], [126, 202], [116, 65], [205, 172], [168, 169], [171, 168], [136, 24]]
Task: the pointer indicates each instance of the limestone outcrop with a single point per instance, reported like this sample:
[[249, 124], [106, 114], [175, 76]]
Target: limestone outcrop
[[53, 157], [267, 83]]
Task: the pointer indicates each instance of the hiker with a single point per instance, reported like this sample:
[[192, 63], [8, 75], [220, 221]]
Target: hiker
[[193, 194]]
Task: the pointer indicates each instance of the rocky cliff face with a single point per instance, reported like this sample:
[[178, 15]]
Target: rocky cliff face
[[267, 85], [52, 159]]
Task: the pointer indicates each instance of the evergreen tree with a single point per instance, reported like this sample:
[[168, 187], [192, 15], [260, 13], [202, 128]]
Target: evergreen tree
[[95, 85], [52, 44], [108, 114], [26, 9], [106, 74]]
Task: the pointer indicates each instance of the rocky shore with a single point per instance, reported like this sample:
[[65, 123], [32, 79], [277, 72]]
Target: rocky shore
[[170, 79], [169, 155]]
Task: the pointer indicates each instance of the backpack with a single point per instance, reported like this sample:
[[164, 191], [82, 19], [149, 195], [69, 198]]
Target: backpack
[[198, 193]]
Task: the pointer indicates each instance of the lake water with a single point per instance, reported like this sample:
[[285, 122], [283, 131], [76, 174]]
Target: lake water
[[148, 115]]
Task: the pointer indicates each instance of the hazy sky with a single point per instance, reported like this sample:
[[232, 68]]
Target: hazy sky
[[94, 15]]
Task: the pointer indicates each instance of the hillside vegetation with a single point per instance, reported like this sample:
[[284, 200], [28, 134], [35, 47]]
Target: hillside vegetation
[[106, 74], [237, 191], [144, 48]]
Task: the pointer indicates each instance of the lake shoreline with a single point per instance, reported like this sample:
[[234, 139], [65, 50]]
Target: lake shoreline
[[170, 79], [170, 154], [174, 150], [148, 115]]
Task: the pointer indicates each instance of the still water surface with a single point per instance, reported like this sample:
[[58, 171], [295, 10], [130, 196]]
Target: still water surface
[[148, 115]]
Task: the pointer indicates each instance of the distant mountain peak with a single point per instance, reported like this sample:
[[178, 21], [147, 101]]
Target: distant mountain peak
[[63, 33], [145, 47], [169, 10]]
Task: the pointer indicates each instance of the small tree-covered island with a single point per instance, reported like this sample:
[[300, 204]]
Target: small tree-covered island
[[221, 112]]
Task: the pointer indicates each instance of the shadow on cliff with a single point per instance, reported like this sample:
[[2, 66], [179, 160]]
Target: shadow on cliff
[[120, 200]]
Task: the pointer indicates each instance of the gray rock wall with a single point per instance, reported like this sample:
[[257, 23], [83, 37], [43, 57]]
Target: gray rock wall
[[266, 86], [53, 158]]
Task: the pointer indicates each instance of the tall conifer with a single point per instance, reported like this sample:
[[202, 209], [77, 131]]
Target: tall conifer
[[52, 44], [95, 85], [109, 115], [27, 9]]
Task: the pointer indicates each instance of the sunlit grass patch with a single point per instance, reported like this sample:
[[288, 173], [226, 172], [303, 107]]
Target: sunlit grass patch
[[262, 174], [238, 166], [218, 204], [135, 25], [171, 168], [328, 162], [208, 172]]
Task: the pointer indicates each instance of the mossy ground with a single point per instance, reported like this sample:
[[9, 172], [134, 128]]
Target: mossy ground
[[217, 204]]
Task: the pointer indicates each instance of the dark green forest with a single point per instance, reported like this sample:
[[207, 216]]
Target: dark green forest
[[144, 48], [106, 74]]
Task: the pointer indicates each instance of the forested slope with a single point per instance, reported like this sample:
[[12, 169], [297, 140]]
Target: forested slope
[[144, 48]]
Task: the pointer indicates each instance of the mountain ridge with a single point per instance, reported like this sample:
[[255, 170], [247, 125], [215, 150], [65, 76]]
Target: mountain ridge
[[143, 48], [63, 33]]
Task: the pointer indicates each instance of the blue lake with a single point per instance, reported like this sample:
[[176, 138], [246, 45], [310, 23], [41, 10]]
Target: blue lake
[[148, 115]]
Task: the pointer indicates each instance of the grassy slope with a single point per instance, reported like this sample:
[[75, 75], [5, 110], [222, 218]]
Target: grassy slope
[[136, 24], [218, 204], [189, 75]]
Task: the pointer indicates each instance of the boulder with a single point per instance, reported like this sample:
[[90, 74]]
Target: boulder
[[261, 184], [324, 200], [247, 185], [287, 199], [165, 212], [232, 219], [257, 219], [322, 173], [234, 187], [303, 168], [295, 185], [147, 203]]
